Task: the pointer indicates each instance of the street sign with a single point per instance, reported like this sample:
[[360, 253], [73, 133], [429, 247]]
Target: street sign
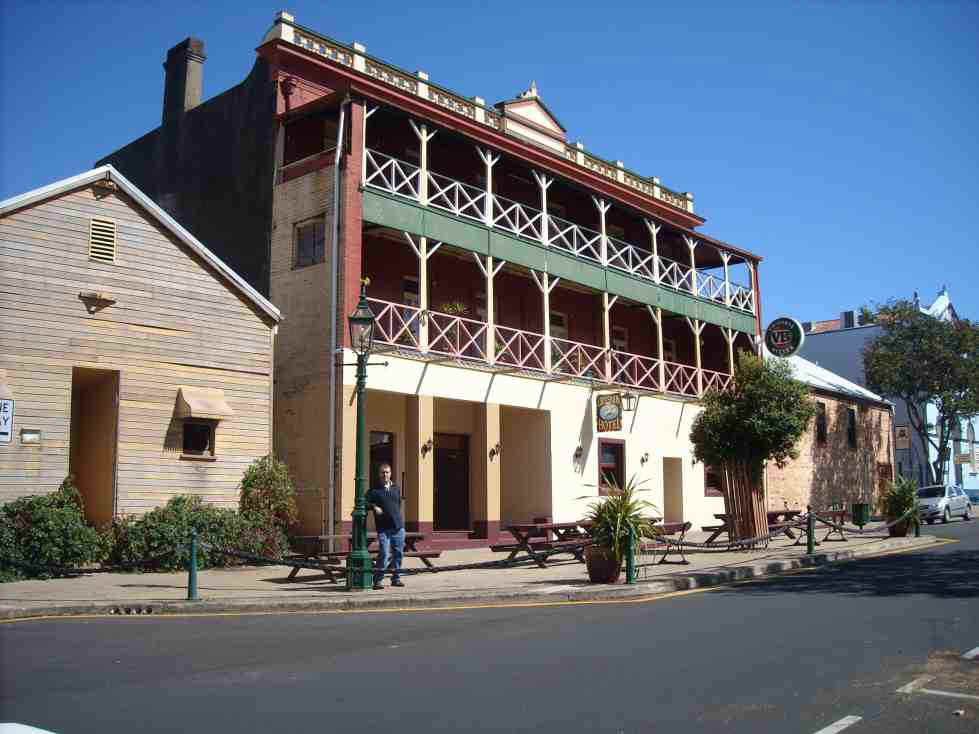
[[784, 337], [6, 420], [608, 412]]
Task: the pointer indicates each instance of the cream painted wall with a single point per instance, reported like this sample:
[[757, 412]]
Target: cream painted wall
[[659, 426], [525, 469], [532, 134]]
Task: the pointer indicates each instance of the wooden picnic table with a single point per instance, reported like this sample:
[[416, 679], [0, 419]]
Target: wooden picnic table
[[311, 547], [838, 517], [541, 540]]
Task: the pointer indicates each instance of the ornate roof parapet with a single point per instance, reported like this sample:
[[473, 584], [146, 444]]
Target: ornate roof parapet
[[510, 116]]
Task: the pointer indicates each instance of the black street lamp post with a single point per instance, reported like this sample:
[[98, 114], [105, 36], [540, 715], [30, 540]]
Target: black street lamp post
[[359, 571]]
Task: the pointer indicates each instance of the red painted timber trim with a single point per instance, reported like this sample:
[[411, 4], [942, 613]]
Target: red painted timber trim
[[376, 90]]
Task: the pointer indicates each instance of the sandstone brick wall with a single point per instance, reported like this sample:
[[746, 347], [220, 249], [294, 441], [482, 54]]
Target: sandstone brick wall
[[832, 471], [302, 353]]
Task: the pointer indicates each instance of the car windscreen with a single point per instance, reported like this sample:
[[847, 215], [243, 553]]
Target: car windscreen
[[931, 492]]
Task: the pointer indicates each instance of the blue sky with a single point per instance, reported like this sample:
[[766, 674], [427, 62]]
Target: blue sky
[[837, 140]]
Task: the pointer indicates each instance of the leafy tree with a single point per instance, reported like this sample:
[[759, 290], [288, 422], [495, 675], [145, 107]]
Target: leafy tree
[[759, 419], [925, 361]]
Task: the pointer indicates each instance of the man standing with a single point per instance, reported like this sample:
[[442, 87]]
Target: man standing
[[385, 500]]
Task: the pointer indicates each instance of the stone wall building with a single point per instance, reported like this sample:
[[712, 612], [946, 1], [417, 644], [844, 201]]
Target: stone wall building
[[846, 454]]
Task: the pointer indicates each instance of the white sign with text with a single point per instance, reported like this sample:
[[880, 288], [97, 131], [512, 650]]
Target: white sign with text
[[6, 420]]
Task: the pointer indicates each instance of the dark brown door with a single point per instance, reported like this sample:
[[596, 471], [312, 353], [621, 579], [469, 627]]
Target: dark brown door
[[451, 481]]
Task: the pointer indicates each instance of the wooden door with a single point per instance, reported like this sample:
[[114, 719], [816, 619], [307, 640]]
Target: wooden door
[[451, 481]]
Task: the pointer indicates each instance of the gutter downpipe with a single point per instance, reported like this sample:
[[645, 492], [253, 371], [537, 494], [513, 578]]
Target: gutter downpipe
[[332, 402]]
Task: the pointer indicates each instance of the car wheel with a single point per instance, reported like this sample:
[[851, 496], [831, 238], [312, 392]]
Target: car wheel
[[947, 517]]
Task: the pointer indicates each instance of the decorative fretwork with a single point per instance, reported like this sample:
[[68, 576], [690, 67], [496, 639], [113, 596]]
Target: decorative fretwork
[[716, 380], [456, 104], [396, 324], [671, 197], [634, 370], [517, 218], [710, 287], [330, 51], [392, 77], [680, 379]]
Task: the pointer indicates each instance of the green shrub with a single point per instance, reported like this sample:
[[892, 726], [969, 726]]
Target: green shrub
[[901, 498], [267, 488], [47, 530], [168, 527]]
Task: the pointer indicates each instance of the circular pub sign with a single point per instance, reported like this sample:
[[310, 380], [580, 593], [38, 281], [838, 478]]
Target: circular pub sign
[[784, 337]]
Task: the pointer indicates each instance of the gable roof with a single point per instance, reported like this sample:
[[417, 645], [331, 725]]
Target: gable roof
[[506, 105], [821, 378], [109, 173]]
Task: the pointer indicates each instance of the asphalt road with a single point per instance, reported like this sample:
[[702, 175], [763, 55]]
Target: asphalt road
[[793, 653]]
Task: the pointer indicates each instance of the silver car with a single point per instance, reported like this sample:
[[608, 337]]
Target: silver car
[[937, 501]]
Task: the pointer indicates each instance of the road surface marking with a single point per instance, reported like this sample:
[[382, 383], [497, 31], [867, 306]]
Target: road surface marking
[[916, 683], [948, 694], [973, 653], [840, 725]]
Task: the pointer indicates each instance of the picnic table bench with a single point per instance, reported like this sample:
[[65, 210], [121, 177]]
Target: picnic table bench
[[310, 547], [776, 520], [535, 540], [665, 536]]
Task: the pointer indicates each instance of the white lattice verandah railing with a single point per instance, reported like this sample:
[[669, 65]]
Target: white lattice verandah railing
[[456, 197], [390, 174], [680, 379], [717, 380], [402, 178], [396, 323], [574, 238], [634, 370], [517, 218], [577, 359], [456, 336], [516, 348]]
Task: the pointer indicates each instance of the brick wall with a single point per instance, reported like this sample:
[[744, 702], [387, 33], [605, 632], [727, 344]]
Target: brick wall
[[832, 471]]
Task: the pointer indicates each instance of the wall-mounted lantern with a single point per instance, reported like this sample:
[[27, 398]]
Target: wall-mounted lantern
[[629, 400]]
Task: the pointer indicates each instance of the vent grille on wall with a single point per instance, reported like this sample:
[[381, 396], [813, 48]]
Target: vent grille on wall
[[102, 240]]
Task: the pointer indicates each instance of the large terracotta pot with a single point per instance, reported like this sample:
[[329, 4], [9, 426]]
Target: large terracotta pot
[[900, 529], [602, 565]]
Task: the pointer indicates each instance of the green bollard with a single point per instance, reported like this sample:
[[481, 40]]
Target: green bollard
[[192, 594], [810, 532], [917, 527], [630, 559]]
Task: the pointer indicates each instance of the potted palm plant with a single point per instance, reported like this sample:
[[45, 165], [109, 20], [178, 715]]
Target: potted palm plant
[[900, 501], [610, 521]]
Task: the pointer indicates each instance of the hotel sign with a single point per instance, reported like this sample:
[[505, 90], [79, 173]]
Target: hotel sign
[[784, 337], [608, 412]]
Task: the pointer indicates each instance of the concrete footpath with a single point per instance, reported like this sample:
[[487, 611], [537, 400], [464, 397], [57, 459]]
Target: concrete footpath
[[266, 588]]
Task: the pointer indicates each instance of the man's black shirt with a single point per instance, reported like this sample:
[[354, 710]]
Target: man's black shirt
[[389, 500]]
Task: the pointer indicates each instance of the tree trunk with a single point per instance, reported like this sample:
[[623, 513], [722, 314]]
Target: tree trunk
[[744, 501]]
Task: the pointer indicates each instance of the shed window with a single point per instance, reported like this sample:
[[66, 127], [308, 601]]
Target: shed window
[[310, 242], [199, 438]]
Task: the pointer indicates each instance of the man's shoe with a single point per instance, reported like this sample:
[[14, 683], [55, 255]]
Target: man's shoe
[[397, 582], [378, 586]]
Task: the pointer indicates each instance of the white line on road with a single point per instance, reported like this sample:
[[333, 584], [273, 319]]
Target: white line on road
[[973, 653], [948, 694], [916, 683], [840, 725]]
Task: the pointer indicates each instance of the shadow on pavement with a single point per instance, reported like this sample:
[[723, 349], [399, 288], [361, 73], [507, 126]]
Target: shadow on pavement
[[950, 575]]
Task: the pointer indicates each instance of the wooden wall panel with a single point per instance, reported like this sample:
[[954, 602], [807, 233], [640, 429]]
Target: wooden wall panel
[[175, 322]]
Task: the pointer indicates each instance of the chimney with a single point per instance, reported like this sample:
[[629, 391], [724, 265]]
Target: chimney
[[184, 79]]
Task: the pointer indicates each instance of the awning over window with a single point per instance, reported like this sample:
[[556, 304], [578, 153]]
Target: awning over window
[[6, 392], [202, 402]]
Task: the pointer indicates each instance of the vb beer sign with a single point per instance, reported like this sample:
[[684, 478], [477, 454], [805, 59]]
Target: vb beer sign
[[784, 337]]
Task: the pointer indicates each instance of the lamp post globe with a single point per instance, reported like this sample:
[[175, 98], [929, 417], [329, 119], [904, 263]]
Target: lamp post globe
[[361, 321]]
